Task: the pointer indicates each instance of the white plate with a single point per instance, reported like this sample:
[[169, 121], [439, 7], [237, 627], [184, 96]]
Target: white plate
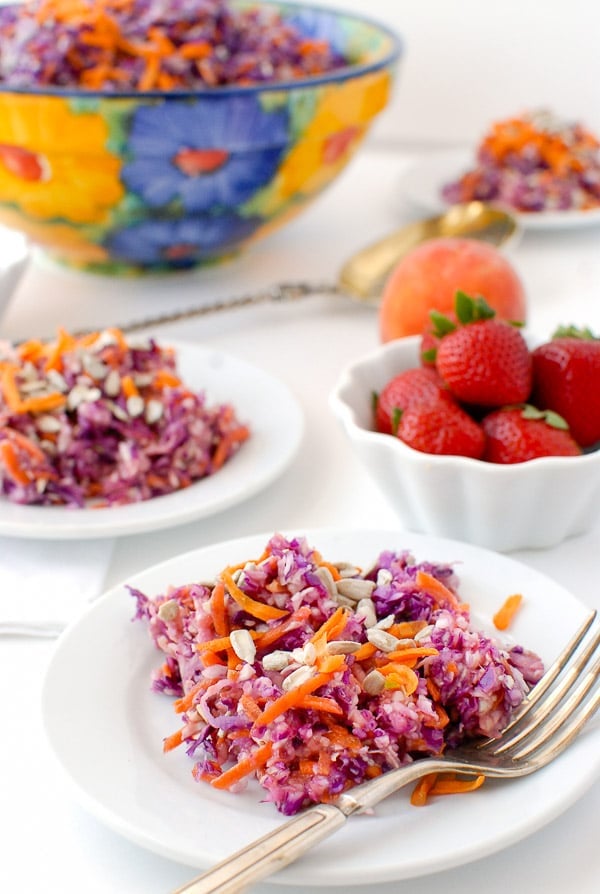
[[422, 181], [107, 727], [264, 403]]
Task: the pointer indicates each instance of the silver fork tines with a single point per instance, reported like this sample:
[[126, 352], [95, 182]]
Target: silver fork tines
[[554, 713]]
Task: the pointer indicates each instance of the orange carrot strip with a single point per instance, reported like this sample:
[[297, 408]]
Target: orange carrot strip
[[367, 650], [449, 786], [250, 706], [334, 625], [319, 703], [44, 403], [264, 640], [237, 436], [244, 767], [165, 378], [412, 653], [186, 701], [399, 676], [129, 387], [218, 611], [25, 444], [173, 741], [504, 616], [292, 699], [64, 343], [436, 588], [251, 606], [10, 388], [10, 460], [421, 791]]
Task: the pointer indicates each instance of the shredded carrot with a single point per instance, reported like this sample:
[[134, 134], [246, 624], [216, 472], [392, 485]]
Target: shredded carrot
[[319, 703], [447, 784], [43, 404], [398, 676], [129, 387], [411, 654], [251, 606], [294, 698], [236, 436], [250, 706], [436, 588], [173, 741], [10, 461], [332, 627], [218, 610], [244, 767], [505, 615], [10, 389], [421, 791], [270, 636]]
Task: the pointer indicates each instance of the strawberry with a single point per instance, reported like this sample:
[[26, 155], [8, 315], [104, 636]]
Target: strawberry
[[441, 427], [483, 360], [517, 434], [404, 391], [566, 378]]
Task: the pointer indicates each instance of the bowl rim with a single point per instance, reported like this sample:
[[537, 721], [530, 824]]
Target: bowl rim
[[347, 415], [345, 73]]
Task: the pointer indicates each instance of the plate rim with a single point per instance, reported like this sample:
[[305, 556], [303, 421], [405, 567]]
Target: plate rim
[[470, 850]]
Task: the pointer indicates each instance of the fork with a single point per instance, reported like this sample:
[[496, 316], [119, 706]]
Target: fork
[[550, 717]]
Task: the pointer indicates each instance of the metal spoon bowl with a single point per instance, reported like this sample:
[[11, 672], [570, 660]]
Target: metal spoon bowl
[[363, 274]]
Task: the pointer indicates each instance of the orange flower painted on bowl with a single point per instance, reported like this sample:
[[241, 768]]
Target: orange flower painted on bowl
[[67, 241], [56, 165], [337, 129]]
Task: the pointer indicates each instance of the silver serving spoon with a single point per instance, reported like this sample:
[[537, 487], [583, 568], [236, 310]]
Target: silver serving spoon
[[363, 275]]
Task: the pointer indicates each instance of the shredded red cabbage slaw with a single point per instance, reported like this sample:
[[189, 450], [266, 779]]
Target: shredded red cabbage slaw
[[312, 676], [100, 421], [120, 45]]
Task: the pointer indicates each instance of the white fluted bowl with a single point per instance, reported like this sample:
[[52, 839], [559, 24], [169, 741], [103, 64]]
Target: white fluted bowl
[[502, 507]]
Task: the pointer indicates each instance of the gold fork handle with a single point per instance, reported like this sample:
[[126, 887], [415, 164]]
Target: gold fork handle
[[268, 854]]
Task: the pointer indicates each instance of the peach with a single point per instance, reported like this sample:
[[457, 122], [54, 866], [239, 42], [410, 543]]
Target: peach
[[429, 276]]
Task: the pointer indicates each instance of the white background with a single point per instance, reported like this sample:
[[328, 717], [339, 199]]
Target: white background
[[469, 62]]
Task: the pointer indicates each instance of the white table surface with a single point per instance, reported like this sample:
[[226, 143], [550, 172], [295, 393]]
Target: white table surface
[[51, 844]]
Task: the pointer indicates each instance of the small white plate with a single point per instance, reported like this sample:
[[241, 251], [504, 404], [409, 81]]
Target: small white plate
[[262, 402], [421, 184], [106, 727]]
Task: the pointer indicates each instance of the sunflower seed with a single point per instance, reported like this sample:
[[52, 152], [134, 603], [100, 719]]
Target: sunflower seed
[[117, 411], [423, 633], [243, 645], [112, 384], [374, 682], [355, 588], [48, 424], [298, 677], [382, 640], [384, 577], [366, 610], [277, 660], [135, 405], [345, 569], [386, 622], [326, 578], [153, 412], [94, 366], [168, 610], [57, 380], [80, 394], [342, 647]]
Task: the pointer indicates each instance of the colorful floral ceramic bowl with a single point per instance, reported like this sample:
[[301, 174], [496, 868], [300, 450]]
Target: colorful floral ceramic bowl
[[162, 180]]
